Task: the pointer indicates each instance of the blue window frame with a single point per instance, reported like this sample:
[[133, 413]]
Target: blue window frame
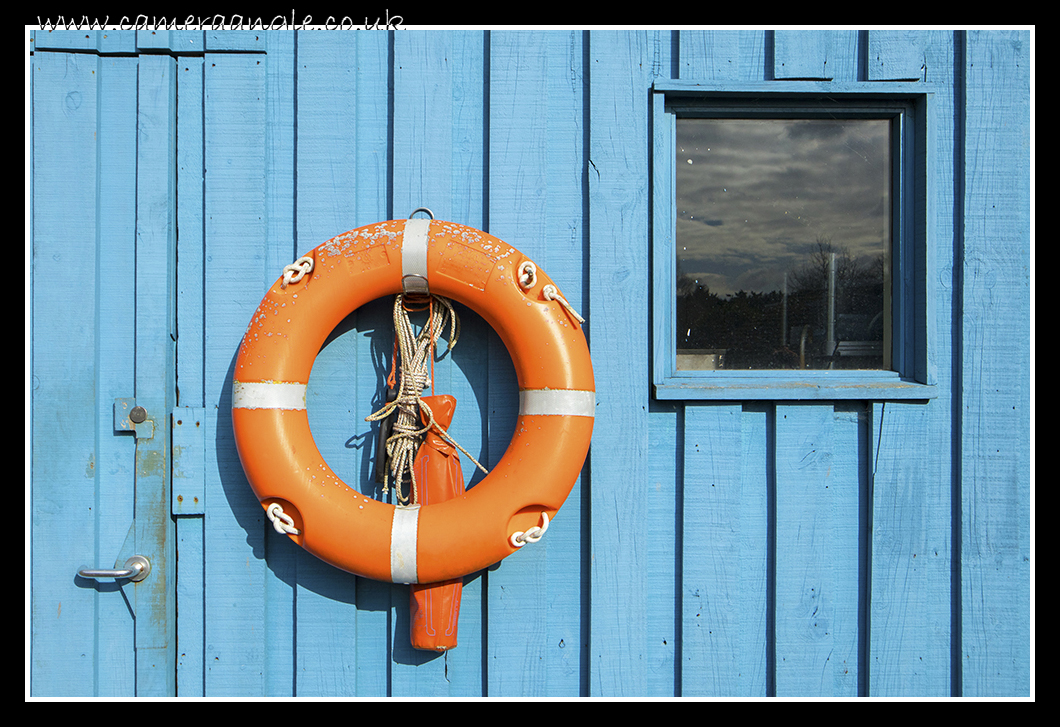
[[900, 364]]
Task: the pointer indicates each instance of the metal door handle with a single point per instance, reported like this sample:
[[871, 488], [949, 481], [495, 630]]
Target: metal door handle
[[136, 569]]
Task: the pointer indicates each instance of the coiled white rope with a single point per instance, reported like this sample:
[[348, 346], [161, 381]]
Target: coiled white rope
[[296, 271], [281, 521], [520, 538], [415, 353]]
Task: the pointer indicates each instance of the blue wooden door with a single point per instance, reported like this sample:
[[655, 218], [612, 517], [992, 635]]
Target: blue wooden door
[[103, 244]]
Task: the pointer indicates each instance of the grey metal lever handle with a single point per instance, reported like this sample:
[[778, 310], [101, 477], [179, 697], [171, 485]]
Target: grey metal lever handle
[[136, 569]]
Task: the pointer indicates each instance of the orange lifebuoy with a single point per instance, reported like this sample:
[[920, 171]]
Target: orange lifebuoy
[[434, 542]]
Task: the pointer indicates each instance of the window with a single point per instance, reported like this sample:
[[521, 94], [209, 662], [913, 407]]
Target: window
[[790, 242], [783, 242]]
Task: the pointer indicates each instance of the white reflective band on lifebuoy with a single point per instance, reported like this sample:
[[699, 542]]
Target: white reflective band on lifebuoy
[[403, 535], [557, 402], [414, 256], [268, 395]]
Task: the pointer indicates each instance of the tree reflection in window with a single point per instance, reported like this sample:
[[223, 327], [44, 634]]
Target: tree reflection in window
[[783, 243]]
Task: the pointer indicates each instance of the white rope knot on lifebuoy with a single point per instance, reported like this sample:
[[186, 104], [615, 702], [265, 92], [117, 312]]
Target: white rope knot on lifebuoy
[[527, 275], [296, 271], [281, 521], [551, 293], [520, 538]]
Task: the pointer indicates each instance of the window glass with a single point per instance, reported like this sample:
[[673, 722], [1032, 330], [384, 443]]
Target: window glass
[[783, 243]]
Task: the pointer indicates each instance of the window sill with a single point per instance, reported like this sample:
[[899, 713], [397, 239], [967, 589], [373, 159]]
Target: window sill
[[791, 385]]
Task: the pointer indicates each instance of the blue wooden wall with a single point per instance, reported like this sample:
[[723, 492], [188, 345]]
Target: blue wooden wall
[[731, 548]]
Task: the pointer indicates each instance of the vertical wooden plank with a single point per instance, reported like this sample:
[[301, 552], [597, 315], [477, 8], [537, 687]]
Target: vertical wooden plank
[[756, 469], [995, 414], [189, 454], [191, 608], [711, 566], [722, 55], [235, 225], [911, 599], [518, 193], [620, 68], [156, 226], [439, 163], [327, 136], [326, 190], [850, 537], [63, 501], [666, 450], [156, 372], [115, 459], [910, 616], [478, 372], [423, 102], [468, 371], [827, 55], [280, 675], [535, 203], [806, 598], [190, 262], [665, 499], [281, 193], [373, 129], [664, 217], [469, 63], [341, 180], [898, 55], [374, 336]]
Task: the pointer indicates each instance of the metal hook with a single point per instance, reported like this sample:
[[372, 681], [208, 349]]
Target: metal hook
[[421, 209]]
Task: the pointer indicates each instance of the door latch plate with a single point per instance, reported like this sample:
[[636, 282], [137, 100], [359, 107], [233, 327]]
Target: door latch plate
[[128, 417]]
